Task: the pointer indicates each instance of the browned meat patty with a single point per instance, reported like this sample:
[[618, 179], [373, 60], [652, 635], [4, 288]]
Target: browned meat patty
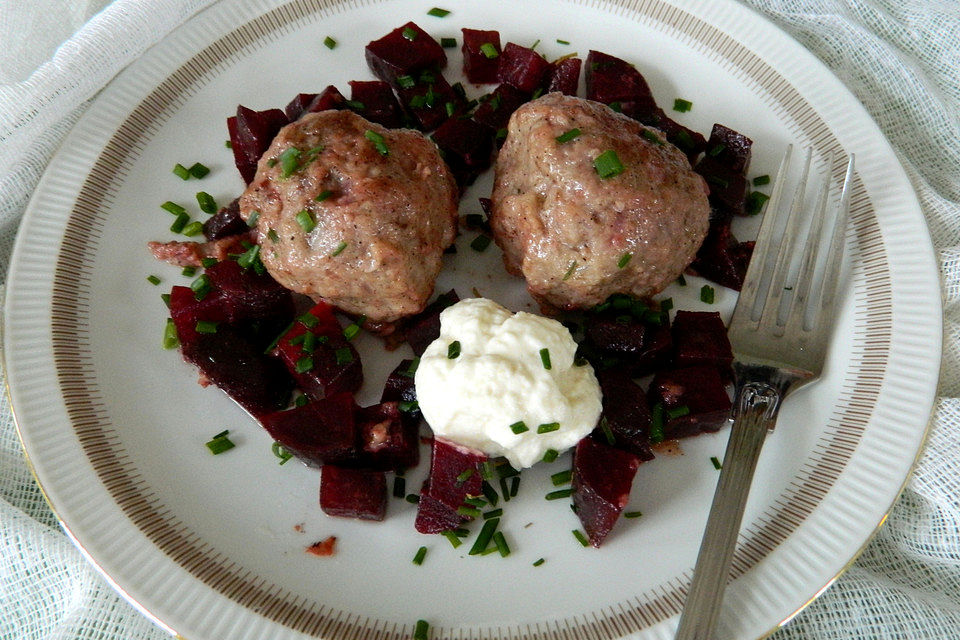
[[353, 213], [578, 237]]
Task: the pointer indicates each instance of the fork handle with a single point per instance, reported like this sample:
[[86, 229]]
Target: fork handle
[[755, 411]]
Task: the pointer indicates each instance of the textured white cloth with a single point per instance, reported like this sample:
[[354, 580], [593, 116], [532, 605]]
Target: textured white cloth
[[901, 58]]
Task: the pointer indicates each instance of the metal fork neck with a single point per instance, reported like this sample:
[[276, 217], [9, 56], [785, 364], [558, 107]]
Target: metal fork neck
[[762, 396]]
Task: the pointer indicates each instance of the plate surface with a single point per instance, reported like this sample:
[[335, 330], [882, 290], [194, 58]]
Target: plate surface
[[214, 547]]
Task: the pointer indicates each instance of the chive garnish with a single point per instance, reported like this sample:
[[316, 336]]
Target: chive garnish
[[437, 12], [351, 330], [616, 106], [280, 452], [489, 493], [561, 477], [570, 270], [559, 41], [632, 514], [494, 513], [220, 443], [716, 463], [656, 423], [420, 555], [412, 498], [152, 279], [355, 105], [173, 208], [326, 193], [448, 43], [607, 431], [550, 455], [678, 412], [252, 219], [489, 50], [650, 136], [682, 105], [468, 511], [378, 142], [519, 427], [329, 42], [339, 249], [195, 228], [289, 161], [580, 537], [272, 235], [681, 280], [249, 257], [716, 150], [206, 326], [501, 543], [198, 170], [406, 82], [180, 222], [480, 243], [453, 349], [755, 201], [452, 537], [608, 165], [514, 486], [181, 171], [538, 562], [484, 537], [410, 33], [306, 220], [559, 494], [464, 475], [567, 136], [399, 487], [624, 260], [166, 299], [201, 287], [343, 355], [308, 320], [761, 180], [706, 294], [545, 358], [170, 338], [303, 364], [548, 427]]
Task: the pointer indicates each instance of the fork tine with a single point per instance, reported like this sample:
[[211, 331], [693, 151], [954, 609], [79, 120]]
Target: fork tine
[[835, 258], [743, 312]]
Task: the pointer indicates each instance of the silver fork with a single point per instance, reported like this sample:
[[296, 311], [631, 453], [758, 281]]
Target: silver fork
[[779, 344]]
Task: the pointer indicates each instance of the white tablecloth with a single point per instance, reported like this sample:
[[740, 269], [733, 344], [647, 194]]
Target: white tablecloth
[[901, 58]]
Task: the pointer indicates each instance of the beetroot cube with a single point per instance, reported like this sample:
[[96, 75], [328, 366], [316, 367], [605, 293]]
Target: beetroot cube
[[721, 258], [317, 355], [319, 432], [399, 386], [329, 98], [374, 100], [430, 100], [186, 310], [602, 478], [353, 493], [298, 106], [251, 133], [496, 109], [248, 295], [693, 400], [610, 79], [626, 414], [467, 147], [564, 76], [434, 516], [424, 327], [225, 222], [405, 51], [730, 148], [522, 67], [386, 441], [477, 65], [454, 475], [699, 337], [620, 334], [728, 187]]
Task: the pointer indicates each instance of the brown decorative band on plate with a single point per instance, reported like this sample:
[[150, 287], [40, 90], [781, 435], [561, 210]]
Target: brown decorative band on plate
[[101, 445]]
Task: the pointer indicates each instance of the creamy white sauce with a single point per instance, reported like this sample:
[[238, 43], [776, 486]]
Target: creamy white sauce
[[499, 379]]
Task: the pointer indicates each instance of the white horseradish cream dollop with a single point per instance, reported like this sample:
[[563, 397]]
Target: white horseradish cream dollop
[[501, 378]]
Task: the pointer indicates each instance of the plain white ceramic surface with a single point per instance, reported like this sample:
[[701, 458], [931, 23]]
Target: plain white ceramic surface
[[245, 506]]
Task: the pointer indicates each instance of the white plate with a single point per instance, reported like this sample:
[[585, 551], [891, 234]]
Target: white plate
[[115, 427]]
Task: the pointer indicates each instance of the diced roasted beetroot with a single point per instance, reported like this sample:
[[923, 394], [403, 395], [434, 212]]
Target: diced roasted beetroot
[[251, 132], [399, 386], [564, 76], [374, 100], [621, 334], [625, 421], [687, 140], [730, 148], [454, 475], [728, 188], [696, 395], [248, 295], [522, 67], [635, 335], [699, 337], [496, 109], [602, 479], [721, 258], [434, 516], [386, 440], [405, 51], [225, 222], [467, 147], [298, 106], [329, 98], [424, 327], [426, 101], [353, 493], [318, 357], [610, 79], [477, 65], [320, 432], [186, 310]]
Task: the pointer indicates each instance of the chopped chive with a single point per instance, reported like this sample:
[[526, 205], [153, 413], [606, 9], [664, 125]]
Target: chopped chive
[[716, 463], [561, 477], [607, 431], [308, 320], [548, 427], [514, 486], [678, 412], [252, 219], [632, 514], [580, 537], [486, 470], [170, 338], [180, 222], [201, 286], [716, 150], [506, 471], [355, 105], [173, 208], [289, 161], [706, 294], [280, 452], [484, 537], [464, 475], [452, 537], [450, 108], [420, 555], [410, 33], [399, 487], [538, 562], [489, 493], [681, 280], [559, 494], [468, 511], [152, 279], [166, 299], [301, 401], [550, 455], [535, 44], [570, 270], [448, 43], [759, 181], [754, 203], [559, 41], [329, 42], [489, 50], [206, 326], [717, 180], [545, 358], [326, 193], [569, 135], [519, 427], [650, 136], [351, 330], [494, 513], [616, 106], [195, 228], [249, 257], [682, 105], [198, 170], [480, 243], [475, 501], [504, 490], [453, 349], [656, 423], [339, 249], [412, 498], [421, 630], [437, 12], [343, 355], [181, 171], [408, 406], [624, 260], [306, 220], [303, 364], [608, 165], [684, 140], [220, 443], [272, 162], [406, 82], [501, 542], [378, 142], [272, 235]]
